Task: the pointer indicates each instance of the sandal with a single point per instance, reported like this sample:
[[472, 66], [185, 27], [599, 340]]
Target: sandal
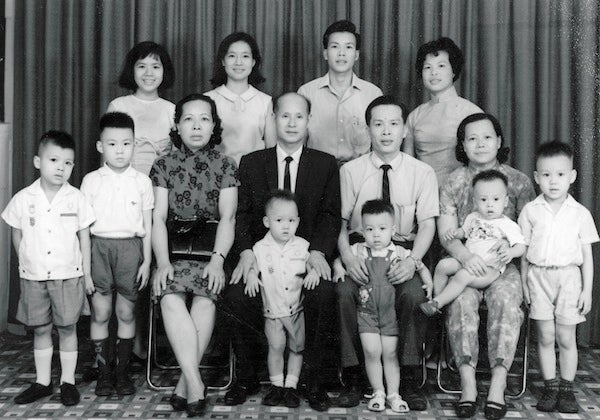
[[465, 409], [377, 401], [396, 403], [494, 410]]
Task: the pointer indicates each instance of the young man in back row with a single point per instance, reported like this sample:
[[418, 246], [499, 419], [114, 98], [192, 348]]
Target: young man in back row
[[339, 98]]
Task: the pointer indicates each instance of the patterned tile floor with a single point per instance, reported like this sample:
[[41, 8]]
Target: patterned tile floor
[[17, 369]]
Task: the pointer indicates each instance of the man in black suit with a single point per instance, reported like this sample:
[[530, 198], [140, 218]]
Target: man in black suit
[[314, 179]]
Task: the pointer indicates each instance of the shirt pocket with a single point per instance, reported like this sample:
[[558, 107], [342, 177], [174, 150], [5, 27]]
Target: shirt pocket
[[297, 266], [405, 216]]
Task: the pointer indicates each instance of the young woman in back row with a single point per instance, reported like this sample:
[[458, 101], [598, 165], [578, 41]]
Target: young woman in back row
[[246, 112]]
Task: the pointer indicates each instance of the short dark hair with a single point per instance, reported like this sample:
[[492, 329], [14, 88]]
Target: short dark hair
[[341, 26], [280, 195], [59, 138], [215, 138], [116, 120], [553, 148], [455, 55], [490, 175], [278, 97], [377, 207], [385, 100], [139, 52], [459, 151], [220, 76]]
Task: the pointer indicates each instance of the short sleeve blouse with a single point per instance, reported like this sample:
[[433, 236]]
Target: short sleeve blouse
[[194, 180]]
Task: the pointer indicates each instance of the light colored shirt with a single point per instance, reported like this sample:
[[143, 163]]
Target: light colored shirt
[[432, 128], [337, 124], [49, 248], [555, 239], [281, 155], [118, 200], [282, 270], [243, 118], [482, 234], [456, 193], [153, 121], [413, 191]]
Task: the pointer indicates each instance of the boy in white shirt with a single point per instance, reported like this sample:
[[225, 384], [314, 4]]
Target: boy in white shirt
[[557, 272], [50, 233], [281, 259], [122, 200]]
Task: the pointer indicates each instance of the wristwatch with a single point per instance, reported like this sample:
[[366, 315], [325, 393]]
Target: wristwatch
[[418, 262]]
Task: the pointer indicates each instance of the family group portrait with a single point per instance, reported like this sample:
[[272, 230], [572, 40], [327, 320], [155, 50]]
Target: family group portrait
[[300, 209]]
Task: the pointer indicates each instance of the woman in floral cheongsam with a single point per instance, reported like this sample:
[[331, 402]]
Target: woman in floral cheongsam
[[480, 148], [194, 180]]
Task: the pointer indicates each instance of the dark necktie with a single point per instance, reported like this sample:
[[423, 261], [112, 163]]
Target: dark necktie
[[287, 183], [385, 184]]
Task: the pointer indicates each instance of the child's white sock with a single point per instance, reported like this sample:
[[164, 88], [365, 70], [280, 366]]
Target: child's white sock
[[68, 363], [277, 380], [43, 365], [291, 381]]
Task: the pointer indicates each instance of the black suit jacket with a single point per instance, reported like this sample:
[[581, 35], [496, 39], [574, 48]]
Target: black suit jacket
[[317, 194]]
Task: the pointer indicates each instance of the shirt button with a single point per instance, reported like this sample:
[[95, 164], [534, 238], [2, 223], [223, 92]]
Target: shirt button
[[286, 288], [48, 272], [48, 252]]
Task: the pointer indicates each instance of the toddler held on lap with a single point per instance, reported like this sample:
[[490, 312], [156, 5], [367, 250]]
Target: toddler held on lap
[[484, 230]]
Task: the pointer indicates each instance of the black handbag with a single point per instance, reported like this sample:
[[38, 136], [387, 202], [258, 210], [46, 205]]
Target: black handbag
[[191, 238]]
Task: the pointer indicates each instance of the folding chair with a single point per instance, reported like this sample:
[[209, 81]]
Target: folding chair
[[523, 345], [155, 362]]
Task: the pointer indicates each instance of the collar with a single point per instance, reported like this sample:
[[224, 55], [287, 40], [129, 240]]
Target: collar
[[380, 252], [281, 154], [541, 201], [36, 188], [395, 163], [474, 171], [105, 170], [232, 96], [271, 241], [187, 152], [357, 82], [446, 96]]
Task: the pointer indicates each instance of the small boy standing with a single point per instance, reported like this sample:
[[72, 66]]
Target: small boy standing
[[557, 272], [281, 259], [377, 322], [46, 219], [122, 200]]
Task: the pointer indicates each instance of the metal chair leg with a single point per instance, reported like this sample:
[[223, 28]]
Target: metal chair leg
[[153, 360]]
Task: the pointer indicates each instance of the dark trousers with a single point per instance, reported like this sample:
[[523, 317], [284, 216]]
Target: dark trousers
[[246, 325], [411, 321]]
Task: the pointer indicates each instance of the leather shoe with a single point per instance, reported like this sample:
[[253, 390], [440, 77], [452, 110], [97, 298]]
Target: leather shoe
[[90, 375], [274, 396], [414, 397], [196, 409], [318, 399], [465, 409], [494, 410], [239, 393], [178, 403], [69, 395], [290, 398], [34, 393], [350, 396]]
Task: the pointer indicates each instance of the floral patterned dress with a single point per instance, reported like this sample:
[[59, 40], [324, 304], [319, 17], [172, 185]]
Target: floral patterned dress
[[504, 295], [194, 182]]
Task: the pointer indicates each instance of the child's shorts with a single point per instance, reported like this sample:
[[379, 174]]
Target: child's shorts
[[276, 330], [115, 263], [377, 310], [554, 293], [51, 301]]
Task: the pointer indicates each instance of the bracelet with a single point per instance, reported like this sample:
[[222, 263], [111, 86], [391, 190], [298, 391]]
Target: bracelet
[[219, 254]]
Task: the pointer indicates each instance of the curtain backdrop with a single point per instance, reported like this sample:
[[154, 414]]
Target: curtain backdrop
[[533, 64]]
